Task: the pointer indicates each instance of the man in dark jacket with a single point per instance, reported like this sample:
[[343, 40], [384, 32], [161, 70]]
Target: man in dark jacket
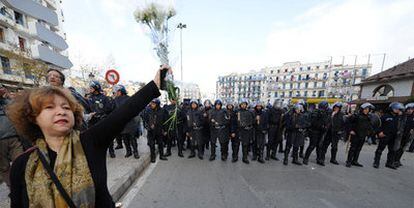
[[156, 129], [360, 127], [194, 129], [320, 120], [275, 129], [100, 105], [408, 133], [219, 121], [245, 122], [296, 125], [206, 129], [232, 126], [128, 134], [10, 146], [261, 127], [390, 134], [175, 130], [335, 131]]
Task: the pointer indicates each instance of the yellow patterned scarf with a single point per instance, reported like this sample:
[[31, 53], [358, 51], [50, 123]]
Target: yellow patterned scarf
[[72, 170]]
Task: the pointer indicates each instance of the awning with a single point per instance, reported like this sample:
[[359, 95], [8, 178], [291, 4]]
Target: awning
[[317, 100]]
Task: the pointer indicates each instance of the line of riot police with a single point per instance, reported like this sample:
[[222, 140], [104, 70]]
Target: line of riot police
[[260, 131]]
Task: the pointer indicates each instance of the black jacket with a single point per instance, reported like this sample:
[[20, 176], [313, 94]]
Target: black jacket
[[95, 142]]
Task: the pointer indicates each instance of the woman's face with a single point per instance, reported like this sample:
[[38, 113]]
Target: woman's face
[[56, 118]]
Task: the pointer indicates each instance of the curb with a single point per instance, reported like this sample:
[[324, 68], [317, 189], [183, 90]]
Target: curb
[[119, 189]]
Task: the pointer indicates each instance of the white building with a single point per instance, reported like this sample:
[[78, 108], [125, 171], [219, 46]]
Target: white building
[[32, 30], [294, 80]]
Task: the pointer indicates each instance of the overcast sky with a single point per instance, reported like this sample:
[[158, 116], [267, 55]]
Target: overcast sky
[[224, 36]]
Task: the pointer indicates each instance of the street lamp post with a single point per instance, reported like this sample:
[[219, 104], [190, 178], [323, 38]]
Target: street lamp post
[[181, 26]]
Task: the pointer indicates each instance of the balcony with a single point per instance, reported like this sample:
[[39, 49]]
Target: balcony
[[33, 9], [54, 39], [45, 54]]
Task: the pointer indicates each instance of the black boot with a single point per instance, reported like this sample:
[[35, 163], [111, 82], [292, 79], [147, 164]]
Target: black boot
[[333, 157], [245, 152], [286, 159], [301, 151], [391, 161], [127, 147], [306, 158], [267, 152], [254, 151], [119, 143], [295, 156], [260, 159], [161, 149], [134, 144], [153, 156], [192, 154], [355, 160]]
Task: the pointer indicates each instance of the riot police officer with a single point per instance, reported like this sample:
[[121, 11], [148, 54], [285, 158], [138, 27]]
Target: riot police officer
[[156, 118], [261, 127], [390, 134], [194, 129], [206, 129], [232, 126], [275, 129], [335, 132], [101, 106], [175, 130], [245, 122], [128, 134], [319, 119], [360, 127], [408, 132], [296, 126], [219, 121]]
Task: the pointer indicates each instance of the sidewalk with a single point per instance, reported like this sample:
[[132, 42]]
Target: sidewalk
[[122, 172]]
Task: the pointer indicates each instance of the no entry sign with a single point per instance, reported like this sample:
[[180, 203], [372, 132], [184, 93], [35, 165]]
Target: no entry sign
[[112, 76]]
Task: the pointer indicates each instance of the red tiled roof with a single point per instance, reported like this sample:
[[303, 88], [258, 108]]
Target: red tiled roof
[[403, 70]]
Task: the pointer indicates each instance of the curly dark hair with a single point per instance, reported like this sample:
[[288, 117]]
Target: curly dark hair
[[29, 104]]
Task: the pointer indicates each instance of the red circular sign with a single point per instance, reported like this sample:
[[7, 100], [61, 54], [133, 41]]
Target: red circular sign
[[112, 76]]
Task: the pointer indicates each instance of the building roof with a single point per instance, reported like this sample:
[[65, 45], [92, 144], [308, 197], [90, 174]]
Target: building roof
[[403, 70]]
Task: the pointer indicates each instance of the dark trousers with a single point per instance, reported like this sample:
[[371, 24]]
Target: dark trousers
[[332, 139], [235, 145], [316, 141], [356, 147], [383, 143], [155, 138]]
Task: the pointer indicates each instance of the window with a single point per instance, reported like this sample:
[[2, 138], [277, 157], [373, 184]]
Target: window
[[384, 90], [291, 85], [315, 84], [300, 77], [326, 66], [325, 75], [306, 85], [323, 84], [27, 72], [22, 44], [321, 93], [271, 71], [275, 94], [298, 85], [19, 18], [5, 63], [1, 35], [306, 94], [317, 67], [290, 93], [309, 68], [316, 76], [364, 72], [297, 94]]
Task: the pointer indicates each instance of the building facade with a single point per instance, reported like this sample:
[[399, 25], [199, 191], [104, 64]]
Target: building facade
[[32, 41], [293, 81], [392, 85]]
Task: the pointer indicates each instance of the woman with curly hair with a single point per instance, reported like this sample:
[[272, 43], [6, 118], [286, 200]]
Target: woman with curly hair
[[50, 118]]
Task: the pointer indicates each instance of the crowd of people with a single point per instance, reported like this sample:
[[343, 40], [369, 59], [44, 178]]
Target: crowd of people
[[70, 135]]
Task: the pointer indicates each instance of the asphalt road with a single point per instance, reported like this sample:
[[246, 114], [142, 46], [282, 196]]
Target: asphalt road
[[183, 182]]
